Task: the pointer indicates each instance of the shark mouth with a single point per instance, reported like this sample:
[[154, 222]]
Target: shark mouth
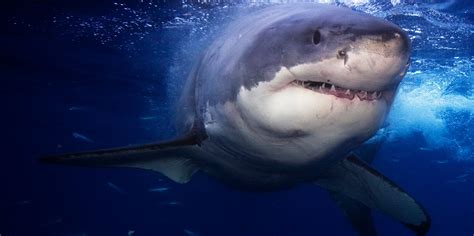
[[334, 90]]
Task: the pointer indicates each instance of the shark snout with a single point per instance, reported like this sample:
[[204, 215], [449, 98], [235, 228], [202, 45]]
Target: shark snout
[[376, 57], [389, 35]]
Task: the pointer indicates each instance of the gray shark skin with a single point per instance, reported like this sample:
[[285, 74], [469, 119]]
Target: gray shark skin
[[283, 97]]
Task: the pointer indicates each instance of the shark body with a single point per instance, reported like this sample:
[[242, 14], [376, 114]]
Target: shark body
[[283, 97]]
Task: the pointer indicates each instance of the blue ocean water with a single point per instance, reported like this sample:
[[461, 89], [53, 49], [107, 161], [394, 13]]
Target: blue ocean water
[[87, 75]]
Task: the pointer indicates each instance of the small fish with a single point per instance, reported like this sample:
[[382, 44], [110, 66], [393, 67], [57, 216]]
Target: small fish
[[171, 203], [441, 161], [56, 221], [82, 137], [456, 181], [463, 176], [115, 187], [78, 108], [190, 233], [131, 232], [425, 149], [24, 202], [163, 189], [147, 117]]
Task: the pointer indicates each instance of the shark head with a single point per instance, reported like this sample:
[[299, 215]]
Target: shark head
[[311, 81]]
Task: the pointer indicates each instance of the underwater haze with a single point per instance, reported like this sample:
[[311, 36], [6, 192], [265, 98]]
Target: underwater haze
[[83, 75]]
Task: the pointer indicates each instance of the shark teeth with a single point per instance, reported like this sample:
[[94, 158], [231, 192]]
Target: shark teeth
[[332, 89]]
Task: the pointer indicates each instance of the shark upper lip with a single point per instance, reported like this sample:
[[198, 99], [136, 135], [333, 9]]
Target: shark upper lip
[[327, 88]]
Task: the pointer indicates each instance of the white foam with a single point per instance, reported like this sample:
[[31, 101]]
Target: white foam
[[430, 108]]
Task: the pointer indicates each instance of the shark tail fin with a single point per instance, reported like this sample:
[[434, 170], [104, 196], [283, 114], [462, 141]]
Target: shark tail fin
[[170, 158], [358, 181]]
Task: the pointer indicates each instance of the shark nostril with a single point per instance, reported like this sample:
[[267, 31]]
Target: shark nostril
[[341, 53], [391, 35]]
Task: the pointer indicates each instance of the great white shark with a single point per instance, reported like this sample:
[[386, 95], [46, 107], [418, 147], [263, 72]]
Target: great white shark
[[284, 97]]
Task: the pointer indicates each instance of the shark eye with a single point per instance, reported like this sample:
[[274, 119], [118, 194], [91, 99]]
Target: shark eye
[[316, 37]]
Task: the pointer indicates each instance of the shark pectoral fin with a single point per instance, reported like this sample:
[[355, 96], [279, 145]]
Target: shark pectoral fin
[[358, 214], [360, 182], [178, 169], [171, 158]]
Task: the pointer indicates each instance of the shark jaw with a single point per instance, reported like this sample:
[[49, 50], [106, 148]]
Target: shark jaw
[[305, 121], [331, 89]]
